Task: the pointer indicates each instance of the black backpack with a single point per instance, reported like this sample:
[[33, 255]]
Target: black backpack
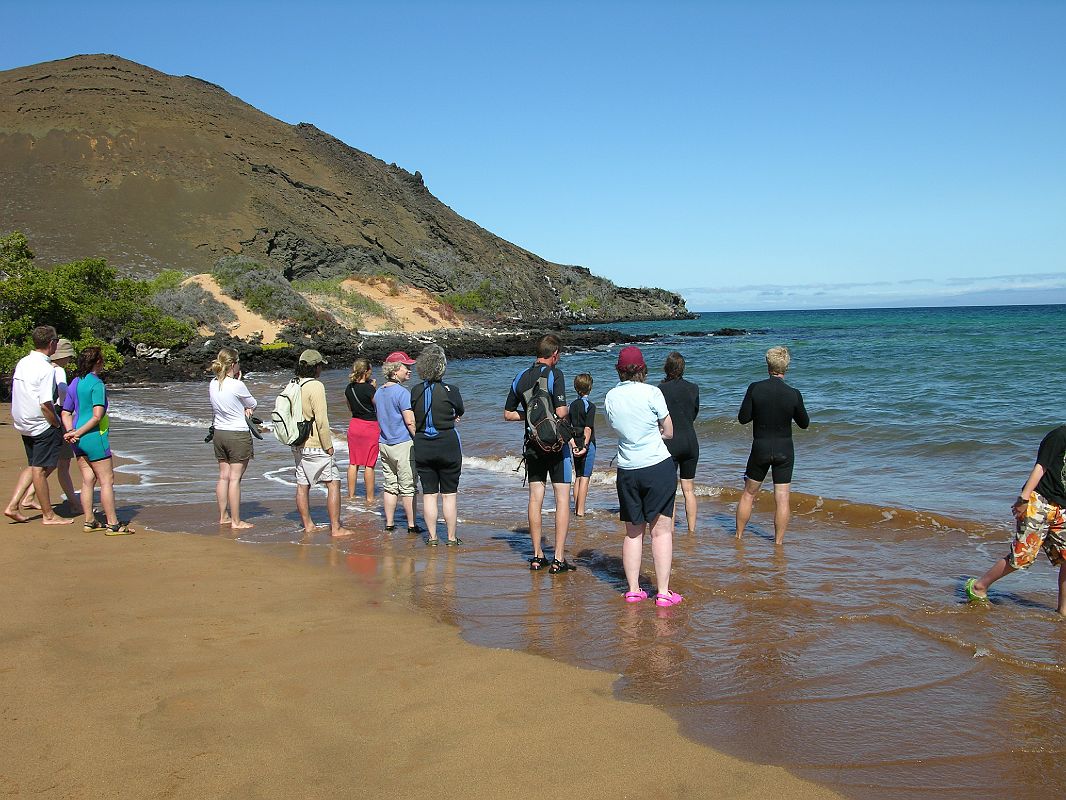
[[544, 429]]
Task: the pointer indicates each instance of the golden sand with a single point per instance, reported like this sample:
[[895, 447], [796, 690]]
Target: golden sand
[[171, 666]]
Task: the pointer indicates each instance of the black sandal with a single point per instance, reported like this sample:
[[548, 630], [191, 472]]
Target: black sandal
[[537, 563], [560, 566]]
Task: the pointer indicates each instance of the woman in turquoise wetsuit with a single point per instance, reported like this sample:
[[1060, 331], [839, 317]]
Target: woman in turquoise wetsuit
[[87, 430]]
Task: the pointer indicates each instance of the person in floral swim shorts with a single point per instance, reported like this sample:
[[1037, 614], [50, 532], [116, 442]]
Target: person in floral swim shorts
[[1040, 512]]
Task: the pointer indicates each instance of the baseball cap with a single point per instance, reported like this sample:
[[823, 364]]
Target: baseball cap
[[630, 357], [399, 357], [311, 358], [64, 349]]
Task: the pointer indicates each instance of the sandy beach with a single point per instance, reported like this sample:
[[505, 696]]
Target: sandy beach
[[162, 665]]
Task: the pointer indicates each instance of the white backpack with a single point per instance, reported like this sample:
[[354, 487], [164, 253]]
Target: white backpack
[[289, 424]]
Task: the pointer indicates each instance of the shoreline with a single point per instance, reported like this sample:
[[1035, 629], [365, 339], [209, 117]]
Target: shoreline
[[190, 362], [185, 666]]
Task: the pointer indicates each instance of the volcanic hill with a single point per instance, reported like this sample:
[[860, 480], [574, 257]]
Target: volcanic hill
[[100, 156]]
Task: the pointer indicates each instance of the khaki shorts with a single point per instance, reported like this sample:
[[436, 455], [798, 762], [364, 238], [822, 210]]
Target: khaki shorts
[[397, 468], [314, 465], [1042, 528], [232, 447]]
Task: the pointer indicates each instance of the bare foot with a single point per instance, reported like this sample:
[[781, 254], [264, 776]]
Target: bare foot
[[54, 520], [225, 520], [336, 533], [15, 515], [740, 535], [241, 524], [311, 530], [30, 504]]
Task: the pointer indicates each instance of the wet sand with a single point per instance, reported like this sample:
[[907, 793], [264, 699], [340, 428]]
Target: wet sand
[[162, 665]]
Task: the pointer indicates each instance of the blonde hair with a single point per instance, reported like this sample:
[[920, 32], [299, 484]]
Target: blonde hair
[[360, 369], [220, 366], [777, 360]]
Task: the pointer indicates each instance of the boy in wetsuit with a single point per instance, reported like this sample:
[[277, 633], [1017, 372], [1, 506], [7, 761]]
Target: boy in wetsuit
[[583, 421], [1040, 515], [772, 405]]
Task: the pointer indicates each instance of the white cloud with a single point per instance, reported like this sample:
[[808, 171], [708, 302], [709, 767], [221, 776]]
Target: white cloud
[[1033, 288]]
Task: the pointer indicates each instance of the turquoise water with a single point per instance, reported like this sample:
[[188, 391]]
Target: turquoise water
[[938, 409]]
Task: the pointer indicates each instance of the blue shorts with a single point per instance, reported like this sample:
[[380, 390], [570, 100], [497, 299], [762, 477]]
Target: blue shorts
[[582, 465]]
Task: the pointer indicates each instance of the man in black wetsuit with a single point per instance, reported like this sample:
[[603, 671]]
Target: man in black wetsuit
[[772, 405]]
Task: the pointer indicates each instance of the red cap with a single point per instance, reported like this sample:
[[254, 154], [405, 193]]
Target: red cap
[[630, 357], [399, 357]]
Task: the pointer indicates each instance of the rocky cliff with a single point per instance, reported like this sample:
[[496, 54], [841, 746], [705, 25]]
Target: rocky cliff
[[100, 156]]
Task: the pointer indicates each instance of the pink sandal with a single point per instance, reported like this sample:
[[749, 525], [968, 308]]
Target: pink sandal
[[668, 599], [636, 597]]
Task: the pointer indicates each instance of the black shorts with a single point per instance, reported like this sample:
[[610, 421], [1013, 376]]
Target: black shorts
[[439, 462], [771, 453], [43, 450], [686, 454], [648, 492], [541, 466]]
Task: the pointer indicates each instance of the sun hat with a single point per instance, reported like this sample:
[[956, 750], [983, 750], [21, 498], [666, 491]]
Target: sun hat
[[630, 357], [64, 349], [311, 358], [399, 357]]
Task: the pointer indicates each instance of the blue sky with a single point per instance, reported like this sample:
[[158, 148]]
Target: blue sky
[[747, 154]]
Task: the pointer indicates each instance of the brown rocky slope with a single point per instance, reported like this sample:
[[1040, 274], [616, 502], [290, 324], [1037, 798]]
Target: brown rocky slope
[[100, 156]]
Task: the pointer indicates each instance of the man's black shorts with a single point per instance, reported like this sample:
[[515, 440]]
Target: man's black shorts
[[43, 450], [766, 453], [646, 493], [542, 467]]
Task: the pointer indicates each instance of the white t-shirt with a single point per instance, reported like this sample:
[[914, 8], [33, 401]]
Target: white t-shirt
[[229, 402], [61, 383], [634, 410], [33, 384]]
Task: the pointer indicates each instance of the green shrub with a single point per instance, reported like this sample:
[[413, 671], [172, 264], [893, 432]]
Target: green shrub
[[195, 305], [264, 290], [166, 280], [481, 299], [84, 300], [331, 287]]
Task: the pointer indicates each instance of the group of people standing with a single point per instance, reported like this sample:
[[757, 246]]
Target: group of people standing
[[60, 422], [411, 431], [657, 449], [414, 432]]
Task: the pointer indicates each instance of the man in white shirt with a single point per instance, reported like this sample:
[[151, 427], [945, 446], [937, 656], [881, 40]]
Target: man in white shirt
[[33, 413]]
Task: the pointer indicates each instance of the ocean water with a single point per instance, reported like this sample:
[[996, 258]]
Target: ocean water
[[849, 655]]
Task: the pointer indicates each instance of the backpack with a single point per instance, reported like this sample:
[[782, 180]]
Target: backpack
[[543, 428], [289, 424]]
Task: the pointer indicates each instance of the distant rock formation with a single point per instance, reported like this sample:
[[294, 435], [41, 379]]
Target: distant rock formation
[[100, 156]]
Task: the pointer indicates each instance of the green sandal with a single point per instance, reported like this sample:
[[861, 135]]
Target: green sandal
[[95, 525], [973, 596]]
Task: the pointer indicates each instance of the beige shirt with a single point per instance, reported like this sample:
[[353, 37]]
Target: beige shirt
[[313, 396]]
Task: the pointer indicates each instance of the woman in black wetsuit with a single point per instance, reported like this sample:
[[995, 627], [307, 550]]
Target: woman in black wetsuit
[[683, 400], [438, 453]]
